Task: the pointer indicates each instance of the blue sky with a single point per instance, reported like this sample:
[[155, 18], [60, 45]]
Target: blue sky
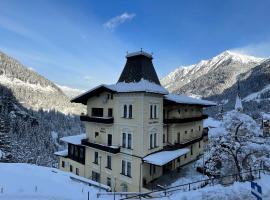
[[83, 43]]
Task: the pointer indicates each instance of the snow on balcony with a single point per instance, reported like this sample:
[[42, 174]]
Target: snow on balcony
[[61, 153], [74, 139]]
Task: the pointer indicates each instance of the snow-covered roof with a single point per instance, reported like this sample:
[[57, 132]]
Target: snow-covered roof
[[163, 157], [74, 139], [188, 100], [123, 87], [61, 153]]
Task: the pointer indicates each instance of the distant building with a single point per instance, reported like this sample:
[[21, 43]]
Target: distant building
[[266, 124], [135, 130]]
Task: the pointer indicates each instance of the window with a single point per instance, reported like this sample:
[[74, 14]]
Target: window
[[164, 139], [63, 164], [97, 112], [130, 111], [76, 152], [125, 111], [154, 169], [81, 153], [109, 182], [155, 140], [109, 140], [191, 130], [70, 168], [71, 150], [95, 176], [199, 144], [124, 140], [185, 132], [123, 167], [96, 158], [185, 110], [109, 162], [199, 128], [178, 137], [129, 169], [108, 96], [126, 168], [129, 141], [96, 134], [110, 112], [191, 150], [151, 112], [178, 159], [77, 171], [151, 141], [185, 156], [111, 96]]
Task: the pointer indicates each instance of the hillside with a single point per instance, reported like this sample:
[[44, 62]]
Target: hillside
[[33, 90]]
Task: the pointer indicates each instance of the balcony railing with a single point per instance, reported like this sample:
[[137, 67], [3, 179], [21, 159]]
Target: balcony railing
[[184, 120], [110, 149], [104, 120], [184, 143]]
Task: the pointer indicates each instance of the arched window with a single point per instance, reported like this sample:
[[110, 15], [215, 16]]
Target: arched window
[[125, 111], [130, 111]]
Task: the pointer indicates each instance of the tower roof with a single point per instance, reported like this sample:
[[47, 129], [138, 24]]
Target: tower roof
[[139, 66]]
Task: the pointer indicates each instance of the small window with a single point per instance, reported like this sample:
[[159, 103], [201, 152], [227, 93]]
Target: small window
[[70, 168], [109, 162], [151, 112], [111, 96], [154, 169], [199, 128], [63, 164], [96, 158], [191, 150], [178, 137], [110, 112], [71, 150], [185, 132], [125, 111], [130, 111], [178, 160], [77, 171], [81, 153], [109, 142], [164, 138], [96, 134], [129, 169], [191, 130], [185, 110], [185, 156], [123, 167], [129, 141], [124, 140], [155, 140], [76, 152], [155, 111], [108, 96], [109, 182], [199, 144], [151, 141]]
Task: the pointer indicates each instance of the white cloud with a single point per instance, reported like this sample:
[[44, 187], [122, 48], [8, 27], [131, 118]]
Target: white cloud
[[261, 49], [88, 78], [118, 20]]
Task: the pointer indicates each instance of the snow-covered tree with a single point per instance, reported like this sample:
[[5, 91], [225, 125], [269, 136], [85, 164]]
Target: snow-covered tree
[[236, 146]]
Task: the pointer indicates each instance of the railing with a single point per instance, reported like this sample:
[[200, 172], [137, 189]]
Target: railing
[[104, 120], [164, 192], [184, 120], [110, 149]]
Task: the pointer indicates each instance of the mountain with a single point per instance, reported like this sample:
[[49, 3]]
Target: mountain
[[70, 92], [209, 77], [219, 78], [33, 90]]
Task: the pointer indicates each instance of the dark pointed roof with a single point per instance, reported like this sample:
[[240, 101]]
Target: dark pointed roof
[[139, 66]]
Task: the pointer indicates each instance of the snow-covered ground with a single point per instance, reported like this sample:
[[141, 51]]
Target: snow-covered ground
[[25, 181]]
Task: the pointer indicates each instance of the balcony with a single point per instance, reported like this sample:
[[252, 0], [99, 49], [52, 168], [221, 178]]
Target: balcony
[[103, 120], [184, 120], [110, 149], [184, 143]]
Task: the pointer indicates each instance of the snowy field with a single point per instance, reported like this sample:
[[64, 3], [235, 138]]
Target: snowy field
[[24, 181]]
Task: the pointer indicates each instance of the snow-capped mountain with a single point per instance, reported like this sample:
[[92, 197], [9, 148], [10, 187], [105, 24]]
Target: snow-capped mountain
[[70, 92], [209, 77], [33, 90]]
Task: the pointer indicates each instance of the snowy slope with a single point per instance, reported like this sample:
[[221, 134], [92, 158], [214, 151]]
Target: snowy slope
[[226, 62], [24, 181], [70, 92]]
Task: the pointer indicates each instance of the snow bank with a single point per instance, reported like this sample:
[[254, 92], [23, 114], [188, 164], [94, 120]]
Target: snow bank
[[61, 153]]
